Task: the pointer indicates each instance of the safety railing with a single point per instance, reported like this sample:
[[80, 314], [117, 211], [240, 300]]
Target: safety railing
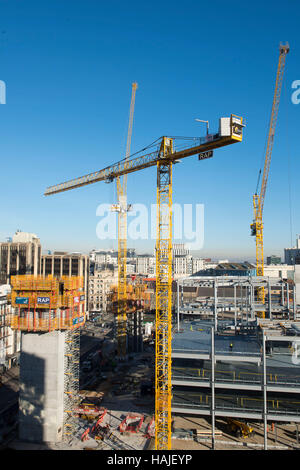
[[234, 376], [242, 404], [34, 322], [220, 352], [49, 283]]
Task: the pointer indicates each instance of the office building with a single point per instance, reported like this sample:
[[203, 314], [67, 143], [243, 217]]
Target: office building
[[273, 259], [20, 255], [67, 264], [291, 254]]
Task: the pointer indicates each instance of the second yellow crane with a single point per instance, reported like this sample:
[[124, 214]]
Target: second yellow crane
[[258, 199], [122, 209]]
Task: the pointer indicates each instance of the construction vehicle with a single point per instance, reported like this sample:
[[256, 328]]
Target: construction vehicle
[[240, 428], [163, 157], [258, 199]]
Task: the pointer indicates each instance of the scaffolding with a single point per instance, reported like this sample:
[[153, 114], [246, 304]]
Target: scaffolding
[[71, 382]]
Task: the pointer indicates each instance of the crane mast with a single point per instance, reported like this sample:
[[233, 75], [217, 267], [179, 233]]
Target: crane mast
[[258, 199], [122, 209], [230, 132]]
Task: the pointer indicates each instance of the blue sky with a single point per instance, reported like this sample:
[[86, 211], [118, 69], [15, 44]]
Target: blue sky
[[68, 68]]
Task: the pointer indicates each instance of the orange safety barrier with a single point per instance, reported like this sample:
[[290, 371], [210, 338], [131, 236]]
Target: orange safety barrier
[[49, 283], [33, 322], [28, 282]]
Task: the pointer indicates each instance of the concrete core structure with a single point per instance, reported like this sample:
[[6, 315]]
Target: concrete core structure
[[41, 399]]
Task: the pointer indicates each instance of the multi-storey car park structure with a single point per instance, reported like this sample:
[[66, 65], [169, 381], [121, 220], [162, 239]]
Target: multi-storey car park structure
[[228, 362]]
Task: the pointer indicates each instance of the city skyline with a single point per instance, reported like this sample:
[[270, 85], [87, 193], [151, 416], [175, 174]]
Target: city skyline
[[80, 92]]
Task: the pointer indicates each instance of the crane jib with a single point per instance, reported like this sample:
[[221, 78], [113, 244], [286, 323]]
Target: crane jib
[[131, 165]]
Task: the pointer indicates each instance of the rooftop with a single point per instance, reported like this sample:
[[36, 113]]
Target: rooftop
[[195, 336]]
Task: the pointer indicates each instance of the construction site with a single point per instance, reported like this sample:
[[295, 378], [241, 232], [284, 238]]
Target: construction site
[[218, 371]]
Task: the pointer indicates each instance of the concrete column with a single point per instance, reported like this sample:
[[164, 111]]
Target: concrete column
[[248, 294], [216, 304], [41, 398], [270, 299], [297, 282], [18, 258], [213, 388], [265, 392], [181, 295], [282, 294], [178, 305], [8, 262], [252, 301], [288, 299], [294, 302], [140, 331], [234, 294]]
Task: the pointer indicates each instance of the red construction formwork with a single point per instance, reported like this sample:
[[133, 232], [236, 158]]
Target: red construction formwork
[[92, 429], [150, 432], [126, 425]]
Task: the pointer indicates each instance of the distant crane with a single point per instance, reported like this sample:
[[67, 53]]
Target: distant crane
[[122, 209], [258, 199], [163, 157]]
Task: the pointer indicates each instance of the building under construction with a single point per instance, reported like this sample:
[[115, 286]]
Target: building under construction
[[137, 302], [49, 313]]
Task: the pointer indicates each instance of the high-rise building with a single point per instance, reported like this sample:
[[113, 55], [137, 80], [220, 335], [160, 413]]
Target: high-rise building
[[100, 284], [184, 264], [290, 254], [145, 264], [179, 249], [20, 255], [197, 264]]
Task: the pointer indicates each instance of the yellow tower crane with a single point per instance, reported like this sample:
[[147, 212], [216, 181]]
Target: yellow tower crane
[[258, 199], [122, 209], [163, 157]]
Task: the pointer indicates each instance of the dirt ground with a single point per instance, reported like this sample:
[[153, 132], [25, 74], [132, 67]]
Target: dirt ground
[[281, 437]]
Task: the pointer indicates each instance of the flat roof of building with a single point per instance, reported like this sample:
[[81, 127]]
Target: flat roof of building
[[195, 336]]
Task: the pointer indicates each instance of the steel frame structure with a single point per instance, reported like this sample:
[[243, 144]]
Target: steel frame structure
[[245, 304], [71, 381]]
